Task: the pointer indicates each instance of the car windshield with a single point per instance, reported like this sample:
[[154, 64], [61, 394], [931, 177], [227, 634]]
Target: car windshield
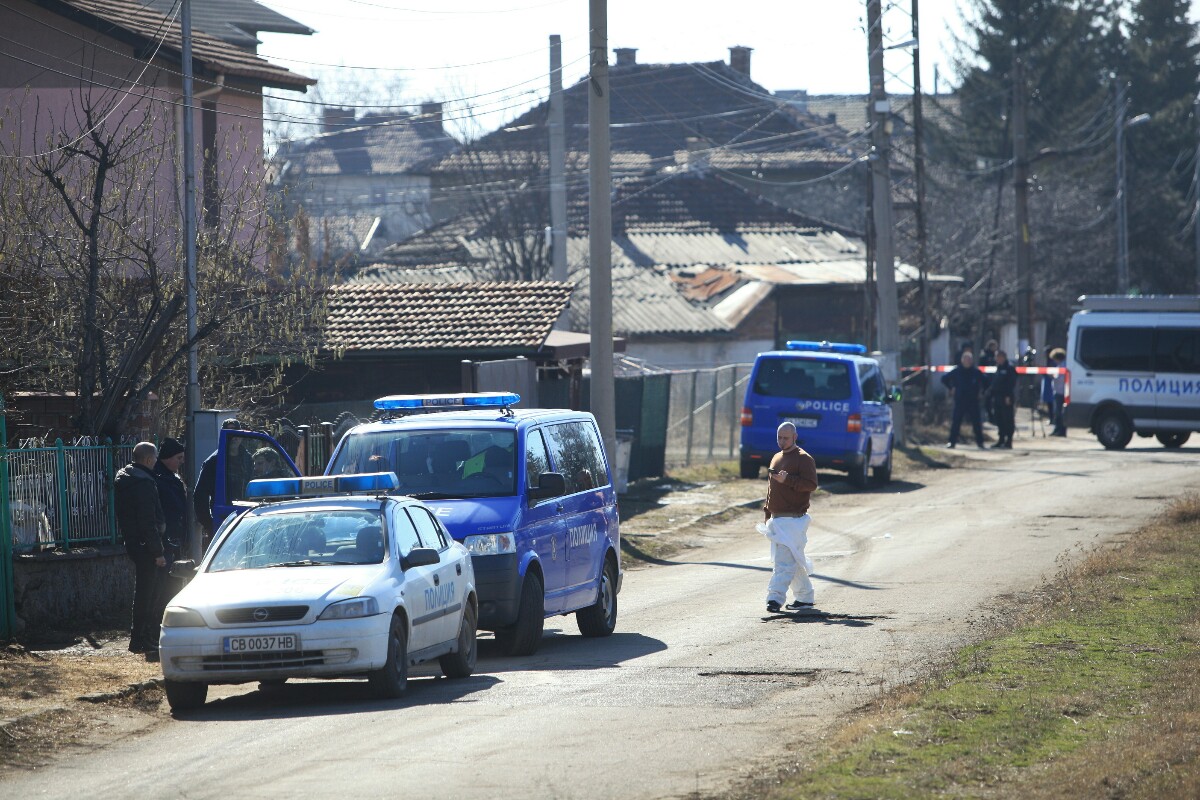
[[803, 379], [433, 464], [302, 539]]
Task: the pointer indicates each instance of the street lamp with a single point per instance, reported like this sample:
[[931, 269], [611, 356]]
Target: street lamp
[[1121, 124]]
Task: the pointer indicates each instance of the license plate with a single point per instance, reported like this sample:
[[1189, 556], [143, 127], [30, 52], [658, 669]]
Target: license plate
[[261, 644], [802, 422]]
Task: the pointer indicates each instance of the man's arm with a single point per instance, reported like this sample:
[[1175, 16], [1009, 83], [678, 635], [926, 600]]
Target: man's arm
[[206, 484], [804, 479]]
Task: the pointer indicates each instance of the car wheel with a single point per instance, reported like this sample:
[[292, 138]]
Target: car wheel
[[600, 618], [750, 469], [391, 681], [523, 637], [861, 475], [1173, 439], [185, 695], [461, 663], [883, 473], [1113, 430]]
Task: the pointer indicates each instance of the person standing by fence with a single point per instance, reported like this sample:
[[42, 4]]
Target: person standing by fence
[[142, 525], [172, 494]]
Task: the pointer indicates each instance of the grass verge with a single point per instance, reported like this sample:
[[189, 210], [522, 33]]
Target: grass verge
[[1095, 692]]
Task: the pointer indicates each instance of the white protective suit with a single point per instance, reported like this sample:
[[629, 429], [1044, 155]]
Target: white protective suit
[[788, 536]]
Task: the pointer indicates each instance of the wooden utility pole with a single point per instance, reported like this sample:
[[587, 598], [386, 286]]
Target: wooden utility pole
[[1196, 189], [558, 168], [600, 229], [1021, 191], [191, 458], [919, 179], [1122, 207], [885, 268]]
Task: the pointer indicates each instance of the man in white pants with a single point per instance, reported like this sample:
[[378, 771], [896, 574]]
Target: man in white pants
[[792, 478]]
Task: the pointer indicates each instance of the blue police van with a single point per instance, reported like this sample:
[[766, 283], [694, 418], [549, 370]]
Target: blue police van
[[529, 492], [836, 397]]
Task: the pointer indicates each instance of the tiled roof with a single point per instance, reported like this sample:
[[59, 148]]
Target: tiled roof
[[234, 21], [136, 22], [448, 316], [407, 144], [849, 111], [656, 108]]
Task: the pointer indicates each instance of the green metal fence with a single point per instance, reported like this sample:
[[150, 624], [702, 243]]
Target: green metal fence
[[8, 615]]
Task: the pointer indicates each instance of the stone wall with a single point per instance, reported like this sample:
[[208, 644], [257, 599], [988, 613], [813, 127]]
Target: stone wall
[[56, 590]]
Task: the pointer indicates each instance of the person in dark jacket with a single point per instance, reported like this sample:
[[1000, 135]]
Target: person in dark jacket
[[172, 493], [142, 524], [965, 382], [1002, 393], [206, 488]]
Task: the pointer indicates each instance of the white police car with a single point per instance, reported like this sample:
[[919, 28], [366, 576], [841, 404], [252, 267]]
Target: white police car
[[345, 581]]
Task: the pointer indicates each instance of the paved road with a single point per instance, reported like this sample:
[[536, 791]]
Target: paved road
[[699, 687]]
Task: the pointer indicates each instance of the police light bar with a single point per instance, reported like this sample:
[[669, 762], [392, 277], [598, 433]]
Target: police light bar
[[828, 347], [277, 488], [412, 402]]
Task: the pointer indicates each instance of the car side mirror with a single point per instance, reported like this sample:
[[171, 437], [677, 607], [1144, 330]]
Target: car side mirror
[[893, 395], [550, 484], [420, 557], [183, 569]]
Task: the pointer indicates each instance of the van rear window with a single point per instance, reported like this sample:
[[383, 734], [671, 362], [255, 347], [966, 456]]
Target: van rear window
[[1116, 349], [802, 378]]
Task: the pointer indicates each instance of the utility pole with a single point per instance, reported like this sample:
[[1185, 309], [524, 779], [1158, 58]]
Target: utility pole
[[558, 168], [1196, 189], [1122, 209], [885, 268], [191, 457], [600, 229], [1021, 190], [919, 178]]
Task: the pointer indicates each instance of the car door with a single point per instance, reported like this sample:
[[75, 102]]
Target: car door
[[444, 599], [236, 451], [1176, 371], [416, 588], [542, 527], [876, 415], [575, 452]]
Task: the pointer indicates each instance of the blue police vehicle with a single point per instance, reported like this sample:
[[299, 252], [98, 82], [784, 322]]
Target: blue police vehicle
[[836, 397], [529, 492]]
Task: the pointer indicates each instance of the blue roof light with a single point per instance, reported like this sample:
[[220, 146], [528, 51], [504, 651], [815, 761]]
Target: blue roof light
[[405, 402], [276, 488], [828, 347]]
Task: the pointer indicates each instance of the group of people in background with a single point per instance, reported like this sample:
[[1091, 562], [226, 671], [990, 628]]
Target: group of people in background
[[977, 394]]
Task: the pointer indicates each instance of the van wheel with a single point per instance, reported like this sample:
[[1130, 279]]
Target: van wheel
[[185, 695], [461, 664], [860, 476], [750, 470], [1173, 439], [1113, 430], [883, 473], [391, 681], [524, 636], [600, 619]]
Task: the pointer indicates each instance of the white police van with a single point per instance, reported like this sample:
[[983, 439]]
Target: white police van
[[1134, 367], [344, 580], [529, 492]]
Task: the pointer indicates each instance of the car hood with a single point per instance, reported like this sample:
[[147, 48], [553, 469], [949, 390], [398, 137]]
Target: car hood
[[277, 586], [476, 515]]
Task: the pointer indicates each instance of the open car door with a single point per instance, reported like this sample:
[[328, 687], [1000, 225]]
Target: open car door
[[243, 456]]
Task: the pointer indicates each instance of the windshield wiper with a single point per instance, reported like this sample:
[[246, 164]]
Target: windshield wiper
[[429, 495], [303, 563]]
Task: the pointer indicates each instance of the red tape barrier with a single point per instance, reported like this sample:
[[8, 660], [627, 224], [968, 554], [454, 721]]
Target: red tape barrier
[[1020, 370]]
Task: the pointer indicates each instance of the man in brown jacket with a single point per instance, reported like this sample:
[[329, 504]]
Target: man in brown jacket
[[792, 478]]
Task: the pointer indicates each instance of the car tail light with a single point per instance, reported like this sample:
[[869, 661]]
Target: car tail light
[[854, 423], [747, 417]]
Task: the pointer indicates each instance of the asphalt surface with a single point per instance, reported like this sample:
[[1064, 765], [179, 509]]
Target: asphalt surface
[[699, 687]]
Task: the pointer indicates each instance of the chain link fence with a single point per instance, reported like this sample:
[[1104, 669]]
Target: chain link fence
[[705, 414]]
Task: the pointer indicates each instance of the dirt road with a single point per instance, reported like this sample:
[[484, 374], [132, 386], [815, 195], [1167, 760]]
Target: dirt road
[[700, 686]]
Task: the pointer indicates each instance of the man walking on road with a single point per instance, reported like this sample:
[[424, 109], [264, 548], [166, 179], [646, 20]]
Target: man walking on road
[[142, 524], [792, 478]]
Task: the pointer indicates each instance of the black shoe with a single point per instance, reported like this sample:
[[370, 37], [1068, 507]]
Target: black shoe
[[980, 445], [796, 605], [138, 646], [998, 446], [152, 655], [772, 607]]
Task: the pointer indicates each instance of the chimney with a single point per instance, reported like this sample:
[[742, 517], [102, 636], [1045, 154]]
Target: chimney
[[739, 59], [697, 153], [432, 111], [626, 56], [336, 118]]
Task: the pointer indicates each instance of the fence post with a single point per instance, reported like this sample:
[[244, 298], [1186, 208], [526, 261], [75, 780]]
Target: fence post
[[8, 613], [735, 417], [110, 488], [64, 510], [326, 445], [691, 410], [712, 412]]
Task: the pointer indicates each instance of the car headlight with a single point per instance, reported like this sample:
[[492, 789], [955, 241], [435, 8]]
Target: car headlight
[[177, 617], [490, 544], [353, 608]]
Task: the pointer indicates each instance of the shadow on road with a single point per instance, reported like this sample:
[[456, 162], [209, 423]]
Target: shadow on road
[[561, 650], [842, 485], [826, 618]]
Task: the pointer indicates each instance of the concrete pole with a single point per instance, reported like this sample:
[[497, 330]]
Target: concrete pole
[[885, 268], [1122, 208], [558, 168], [1021, 193], [191, 457], [600, 228], [1196, 189], [919, 177]]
